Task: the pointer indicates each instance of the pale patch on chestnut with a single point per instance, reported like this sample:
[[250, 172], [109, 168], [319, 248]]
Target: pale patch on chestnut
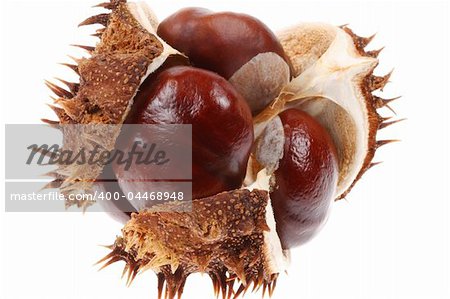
[[270, 145], [261, 79]]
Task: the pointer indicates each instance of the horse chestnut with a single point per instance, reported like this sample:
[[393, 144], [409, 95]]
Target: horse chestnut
[[222, 129], [305, 173], [238, 47], [236, 237]]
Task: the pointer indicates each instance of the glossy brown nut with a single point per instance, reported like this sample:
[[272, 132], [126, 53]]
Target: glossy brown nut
[[221, 42], [306, 178], [222, 128]]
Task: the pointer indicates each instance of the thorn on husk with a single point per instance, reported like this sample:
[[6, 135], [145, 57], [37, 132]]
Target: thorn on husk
[[360, 42], [380, 143], [59, 91], [380, 102], [387, 124], [55, 184], [101, 19], [89, 49], [51, 123], [77, 60], [374, 164], [383, 119], [58, 111], [376, 82], [374, 53], [71, 85], [73, 67], [97, 34], [106, 5]]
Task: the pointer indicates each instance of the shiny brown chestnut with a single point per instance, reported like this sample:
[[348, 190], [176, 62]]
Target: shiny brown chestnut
[[222, 128], [237, 46], [305, 173]]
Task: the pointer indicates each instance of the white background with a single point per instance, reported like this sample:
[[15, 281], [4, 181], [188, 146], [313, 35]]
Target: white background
[[389, 239]]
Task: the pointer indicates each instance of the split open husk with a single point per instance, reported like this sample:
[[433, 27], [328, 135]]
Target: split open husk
[[231, 235]]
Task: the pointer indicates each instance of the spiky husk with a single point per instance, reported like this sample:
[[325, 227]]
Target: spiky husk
[[226, 236], [231, 236], [128, 51], [369, 85], [334, 82]]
